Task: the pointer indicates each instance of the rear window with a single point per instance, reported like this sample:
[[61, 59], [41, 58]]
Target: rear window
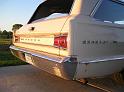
[[54, 8], [111, 11]]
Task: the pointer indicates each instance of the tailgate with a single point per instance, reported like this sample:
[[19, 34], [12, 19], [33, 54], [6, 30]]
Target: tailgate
[[40, 35]]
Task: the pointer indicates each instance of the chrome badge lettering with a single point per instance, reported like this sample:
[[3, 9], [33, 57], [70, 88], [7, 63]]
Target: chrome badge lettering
[[98, 42]]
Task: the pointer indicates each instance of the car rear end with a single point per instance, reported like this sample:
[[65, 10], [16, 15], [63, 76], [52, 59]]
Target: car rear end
[[83, 44], [41, 42]]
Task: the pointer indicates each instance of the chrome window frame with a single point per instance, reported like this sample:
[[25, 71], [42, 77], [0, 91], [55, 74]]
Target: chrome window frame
[[97, 7]]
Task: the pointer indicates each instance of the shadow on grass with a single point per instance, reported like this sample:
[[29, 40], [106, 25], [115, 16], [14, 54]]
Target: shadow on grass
[[6, 58]]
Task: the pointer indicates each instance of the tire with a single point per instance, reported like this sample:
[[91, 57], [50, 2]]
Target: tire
[[119, 77]]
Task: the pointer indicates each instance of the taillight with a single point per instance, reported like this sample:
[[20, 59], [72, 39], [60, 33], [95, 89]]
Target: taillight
[[17, 38], [60, 41]]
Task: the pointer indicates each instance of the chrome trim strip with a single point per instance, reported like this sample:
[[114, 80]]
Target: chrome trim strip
[[96, 7], [37, 55], [104, 59]]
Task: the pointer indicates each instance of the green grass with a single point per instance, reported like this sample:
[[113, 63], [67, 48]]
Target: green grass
[[6, 58], [5, 41]]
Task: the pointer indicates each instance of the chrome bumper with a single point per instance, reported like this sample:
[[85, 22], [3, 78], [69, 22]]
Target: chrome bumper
[[59, 66], [100, 67], [68, 67]]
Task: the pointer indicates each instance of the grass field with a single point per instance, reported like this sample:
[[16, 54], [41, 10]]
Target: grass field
[[6, 58], [5, 41]]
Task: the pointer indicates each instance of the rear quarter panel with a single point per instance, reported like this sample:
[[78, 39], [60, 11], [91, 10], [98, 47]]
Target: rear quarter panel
[[93, 39]]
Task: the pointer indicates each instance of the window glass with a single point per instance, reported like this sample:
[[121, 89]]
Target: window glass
[[111, 11], [50, 7]]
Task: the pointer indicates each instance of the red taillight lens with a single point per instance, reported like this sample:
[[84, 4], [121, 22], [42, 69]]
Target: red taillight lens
[[60, 41], [17, 38]]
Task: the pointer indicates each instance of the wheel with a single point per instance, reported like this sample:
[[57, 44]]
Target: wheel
[[83, 81], [119, 77]]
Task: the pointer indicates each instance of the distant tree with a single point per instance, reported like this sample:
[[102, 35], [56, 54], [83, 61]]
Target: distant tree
[[9, 35], [4, 32], [0, 32], [16, 27]]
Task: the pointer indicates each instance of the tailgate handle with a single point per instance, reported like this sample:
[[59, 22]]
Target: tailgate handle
[[31, 28]]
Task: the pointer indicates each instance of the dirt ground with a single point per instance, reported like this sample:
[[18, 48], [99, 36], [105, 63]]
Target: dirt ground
[[26, 78]]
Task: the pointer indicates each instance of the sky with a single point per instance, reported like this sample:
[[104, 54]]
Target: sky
[[16, 12]]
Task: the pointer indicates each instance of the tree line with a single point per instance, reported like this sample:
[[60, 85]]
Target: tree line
[[5, 34], [8, 34]]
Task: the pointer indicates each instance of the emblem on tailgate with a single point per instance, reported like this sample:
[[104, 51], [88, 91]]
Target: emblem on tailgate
[[98, 42]]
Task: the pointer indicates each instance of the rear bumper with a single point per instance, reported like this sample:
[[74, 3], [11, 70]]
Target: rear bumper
[[59, 66], [68, 67], [100, 67]]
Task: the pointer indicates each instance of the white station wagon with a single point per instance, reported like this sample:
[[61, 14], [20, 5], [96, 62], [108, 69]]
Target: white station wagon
[[74, 39]]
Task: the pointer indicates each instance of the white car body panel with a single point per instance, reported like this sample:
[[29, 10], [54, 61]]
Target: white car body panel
[[94, 48]]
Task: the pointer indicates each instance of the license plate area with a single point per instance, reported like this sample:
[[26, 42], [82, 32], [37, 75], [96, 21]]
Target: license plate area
[[28, 58]]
